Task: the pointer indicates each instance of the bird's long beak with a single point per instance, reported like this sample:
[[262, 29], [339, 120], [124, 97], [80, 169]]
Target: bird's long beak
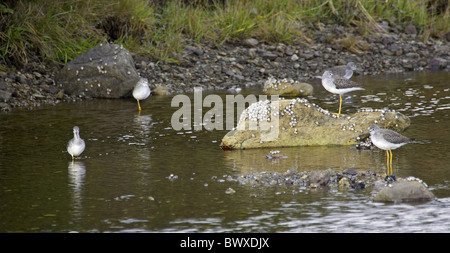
[[318, 77]]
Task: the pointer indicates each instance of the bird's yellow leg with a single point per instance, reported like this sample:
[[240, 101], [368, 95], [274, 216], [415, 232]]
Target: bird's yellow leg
[[139, 105], [340, 105], [390, 162], [387, 162]]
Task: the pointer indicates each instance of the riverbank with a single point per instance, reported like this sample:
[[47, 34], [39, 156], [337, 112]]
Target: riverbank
[[249, 57]]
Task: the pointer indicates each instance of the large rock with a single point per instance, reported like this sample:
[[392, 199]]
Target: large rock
[[402, 191], [287, 87], [300, 123], [105, 71]]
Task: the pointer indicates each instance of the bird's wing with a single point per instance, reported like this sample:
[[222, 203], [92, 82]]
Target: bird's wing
[[395, 137], [342, 83]]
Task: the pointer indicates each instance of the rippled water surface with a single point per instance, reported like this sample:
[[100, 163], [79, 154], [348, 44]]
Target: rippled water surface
[[139, 175]]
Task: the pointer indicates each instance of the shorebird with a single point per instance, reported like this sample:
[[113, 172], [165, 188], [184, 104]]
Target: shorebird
[[338, 85], [387, 139], [76, 145], [346, 71], [141, 90]]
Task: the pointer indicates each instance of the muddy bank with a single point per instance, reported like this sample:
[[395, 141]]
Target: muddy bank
[[249, 63]]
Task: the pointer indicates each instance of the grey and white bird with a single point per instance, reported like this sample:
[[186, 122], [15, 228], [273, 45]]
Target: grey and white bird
[[387, 139], [141, 91], [76, 145], [339, 85], [345, 71]]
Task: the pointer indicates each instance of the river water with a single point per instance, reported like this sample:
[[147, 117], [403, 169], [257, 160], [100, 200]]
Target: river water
[[137, 174]]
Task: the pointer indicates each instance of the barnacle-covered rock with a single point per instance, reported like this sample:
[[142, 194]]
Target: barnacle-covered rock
[[287, 87], [297, 122]]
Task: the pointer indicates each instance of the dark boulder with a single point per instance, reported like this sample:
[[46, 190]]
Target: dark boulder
[[105, 71]]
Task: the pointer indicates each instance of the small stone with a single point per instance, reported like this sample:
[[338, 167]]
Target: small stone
[[5, 95], [320, 178], [410, 29], [344, 183], [250, 42], [230, 191], [60, 95]]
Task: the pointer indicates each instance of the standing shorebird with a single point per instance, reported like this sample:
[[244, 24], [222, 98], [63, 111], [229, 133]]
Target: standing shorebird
[[338, 85], [387, 139], [76, 145], [141, 90]]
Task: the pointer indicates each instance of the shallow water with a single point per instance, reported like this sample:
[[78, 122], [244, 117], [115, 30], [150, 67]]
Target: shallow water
[[139, 175]]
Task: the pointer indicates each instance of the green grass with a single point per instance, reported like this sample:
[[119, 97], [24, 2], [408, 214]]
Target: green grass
[[58, 31]]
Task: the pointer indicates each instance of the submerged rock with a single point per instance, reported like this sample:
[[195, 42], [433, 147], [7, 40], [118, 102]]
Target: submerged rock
[[319, 178], [296, 122], [275, 154], [105, 71], [402, 191]]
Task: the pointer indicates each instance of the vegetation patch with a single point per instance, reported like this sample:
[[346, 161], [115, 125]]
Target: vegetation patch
[[58, 31]]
